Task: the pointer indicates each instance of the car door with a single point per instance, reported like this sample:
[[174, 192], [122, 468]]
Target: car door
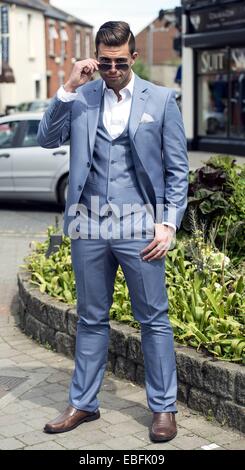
[[8, 141], [35, 168]]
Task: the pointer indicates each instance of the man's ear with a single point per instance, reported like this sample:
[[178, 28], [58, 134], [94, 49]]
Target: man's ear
[[134, 57]]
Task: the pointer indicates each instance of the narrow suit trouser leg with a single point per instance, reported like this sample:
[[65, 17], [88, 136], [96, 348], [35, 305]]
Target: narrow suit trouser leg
[[95, 269], [149, 301]]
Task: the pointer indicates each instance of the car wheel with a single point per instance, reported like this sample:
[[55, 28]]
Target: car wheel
[[62, 191]]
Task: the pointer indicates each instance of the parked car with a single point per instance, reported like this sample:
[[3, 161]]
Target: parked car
[[30, 106], [28, 171]]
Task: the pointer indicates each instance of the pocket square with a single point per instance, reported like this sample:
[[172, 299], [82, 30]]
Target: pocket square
[[147, 118]]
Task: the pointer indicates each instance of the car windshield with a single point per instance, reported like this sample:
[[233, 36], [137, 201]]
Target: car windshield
[[38, 105], [23, 107]]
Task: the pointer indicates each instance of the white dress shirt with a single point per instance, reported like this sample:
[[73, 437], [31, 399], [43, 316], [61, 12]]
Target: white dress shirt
[[116, 113]]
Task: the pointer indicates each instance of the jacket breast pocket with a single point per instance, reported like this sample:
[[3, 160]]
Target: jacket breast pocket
[[143, 125], [146, 132]]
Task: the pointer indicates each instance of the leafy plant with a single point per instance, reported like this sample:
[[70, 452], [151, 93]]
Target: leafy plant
[[217, 197], [208, 312], [54, 275], [121, 307], [206, 294]]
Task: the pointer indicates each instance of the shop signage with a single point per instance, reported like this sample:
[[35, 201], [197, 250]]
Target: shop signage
[[215, 19], [237, 60], [194, 4], [213, 61]]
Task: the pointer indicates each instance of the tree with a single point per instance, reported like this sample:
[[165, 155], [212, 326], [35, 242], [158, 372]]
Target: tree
[[141, 69]]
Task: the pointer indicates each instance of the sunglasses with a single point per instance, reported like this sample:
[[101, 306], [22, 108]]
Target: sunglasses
[[105, 67]]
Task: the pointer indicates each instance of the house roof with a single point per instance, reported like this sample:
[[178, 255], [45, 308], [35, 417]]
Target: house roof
[[58, 14], [33, 4], [49, 11]]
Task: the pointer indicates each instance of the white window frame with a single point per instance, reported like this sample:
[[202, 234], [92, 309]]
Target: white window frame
[[63, 40], [52, 33], [87, 45], [78, 44]]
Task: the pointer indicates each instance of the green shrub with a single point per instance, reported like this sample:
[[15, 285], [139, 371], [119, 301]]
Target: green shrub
[[206, 295], [217, 197], [206, 302], [141, 69], [54, 275]]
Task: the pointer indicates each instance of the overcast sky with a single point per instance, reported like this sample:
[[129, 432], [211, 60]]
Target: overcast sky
[[138, 13]]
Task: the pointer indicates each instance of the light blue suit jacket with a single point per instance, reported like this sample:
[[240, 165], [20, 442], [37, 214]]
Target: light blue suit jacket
[[158, 147]]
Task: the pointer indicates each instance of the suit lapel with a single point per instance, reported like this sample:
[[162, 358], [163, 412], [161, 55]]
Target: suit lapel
[[139, 99], [94, 101]]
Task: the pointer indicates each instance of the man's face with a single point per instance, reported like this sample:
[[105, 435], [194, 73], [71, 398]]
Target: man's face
[[116, 55]]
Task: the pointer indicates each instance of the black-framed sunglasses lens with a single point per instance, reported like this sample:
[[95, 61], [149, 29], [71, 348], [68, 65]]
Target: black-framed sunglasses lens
[[105, 67]]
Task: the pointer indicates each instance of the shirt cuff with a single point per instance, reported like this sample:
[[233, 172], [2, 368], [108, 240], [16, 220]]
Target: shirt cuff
[[66, 96], [170, 225]]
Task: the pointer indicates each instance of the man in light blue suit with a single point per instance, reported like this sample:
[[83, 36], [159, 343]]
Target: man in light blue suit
[[127, 195]]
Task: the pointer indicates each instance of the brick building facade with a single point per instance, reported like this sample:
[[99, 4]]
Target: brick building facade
[[67, 39], [157, 52]]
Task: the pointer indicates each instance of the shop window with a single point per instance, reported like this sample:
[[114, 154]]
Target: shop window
[[221, 93], [237, 87], [213, 105]]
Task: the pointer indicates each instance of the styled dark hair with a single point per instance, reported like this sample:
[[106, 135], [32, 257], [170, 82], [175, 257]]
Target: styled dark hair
[[115, 33]]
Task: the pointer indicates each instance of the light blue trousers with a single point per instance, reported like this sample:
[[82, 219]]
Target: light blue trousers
[[95, 264]]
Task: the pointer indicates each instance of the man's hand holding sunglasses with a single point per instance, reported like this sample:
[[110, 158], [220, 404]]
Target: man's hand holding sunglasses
[[81, 74]]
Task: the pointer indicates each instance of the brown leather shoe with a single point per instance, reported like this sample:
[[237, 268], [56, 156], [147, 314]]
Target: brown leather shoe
[[163, 427], [70, 419]]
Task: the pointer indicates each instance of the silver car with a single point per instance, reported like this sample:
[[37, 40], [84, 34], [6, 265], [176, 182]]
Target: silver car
[[28, 171], [28, 106]]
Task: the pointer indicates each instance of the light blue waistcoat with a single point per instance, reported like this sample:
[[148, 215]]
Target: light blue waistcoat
[[112, 176]]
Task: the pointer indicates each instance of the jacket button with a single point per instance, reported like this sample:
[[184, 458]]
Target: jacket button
[[88, 164], [79, 187]]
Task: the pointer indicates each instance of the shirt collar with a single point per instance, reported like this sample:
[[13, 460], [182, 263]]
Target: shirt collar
[[129, 86]]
